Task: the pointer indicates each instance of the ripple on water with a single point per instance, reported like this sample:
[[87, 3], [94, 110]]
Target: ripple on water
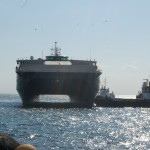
[[96, 128]]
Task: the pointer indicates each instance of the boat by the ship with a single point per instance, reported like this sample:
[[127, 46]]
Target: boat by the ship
[[57, 75], [145, 91], [104, 93], [141, 100]]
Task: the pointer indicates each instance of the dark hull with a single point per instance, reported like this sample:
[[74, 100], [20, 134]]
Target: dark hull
[[80, 87], [117, 102]]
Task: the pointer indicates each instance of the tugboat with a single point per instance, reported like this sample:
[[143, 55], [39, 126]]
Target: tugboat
[[57, 75], [141, 100], [105, 94], [145, 93]]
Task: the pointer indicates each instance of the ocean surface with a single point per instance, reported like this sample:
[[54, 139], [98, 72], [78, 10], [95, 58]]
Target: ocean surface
[[75, 128]]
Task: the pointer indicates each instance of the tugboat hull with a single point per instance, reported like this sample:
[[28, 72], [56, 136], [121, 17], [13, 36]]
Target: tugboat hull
[[121, 102]]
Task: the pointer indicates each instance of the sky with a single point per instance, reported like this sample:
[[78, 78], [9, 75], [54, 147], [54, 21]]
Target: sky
[[116, 33]]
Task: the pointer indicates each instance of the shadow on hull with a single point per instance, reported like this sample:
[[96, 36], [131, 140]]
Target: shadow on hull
[[56, 105], [81, 89]]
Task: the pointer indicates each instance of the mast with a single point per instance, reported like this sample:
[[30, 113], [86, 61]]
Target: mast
[[55, 51]]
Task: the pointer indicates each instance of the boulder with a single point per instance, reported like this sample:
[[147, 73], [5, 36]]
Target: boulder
[[7, 143], [26, 147]]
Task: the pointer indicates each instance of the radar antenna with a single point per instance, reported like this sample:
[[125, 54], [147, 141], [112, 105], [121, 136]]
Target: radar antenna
[[55, 51]]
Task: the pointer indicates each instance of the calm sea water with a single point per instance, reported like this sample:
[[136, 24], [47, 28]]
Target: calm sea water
[[75, 128]]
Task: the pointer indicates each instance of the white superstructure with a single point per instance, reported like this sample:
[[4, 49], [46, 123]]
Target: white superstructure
[[145, 93]]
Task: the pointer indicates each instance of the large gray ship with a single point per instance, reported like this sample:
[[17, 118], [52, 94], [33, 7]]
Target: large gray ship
[[57, 75]]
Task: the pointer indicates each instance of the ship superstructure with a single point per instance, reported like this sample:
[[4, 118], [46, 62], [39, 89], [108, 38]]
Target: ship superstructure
[[57, 74], [104, 93], [145, 90]]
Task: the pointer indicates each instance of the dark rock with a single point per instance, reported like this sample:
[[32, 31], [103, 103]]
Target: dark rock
[[7, 143]]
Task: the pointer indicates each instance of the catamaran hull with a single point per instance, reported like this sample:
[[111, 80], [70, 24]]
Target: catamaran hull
[[80, 87]]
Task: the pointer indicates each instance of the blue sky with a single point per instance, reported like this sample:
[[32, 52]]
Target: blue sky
[[116, 33]]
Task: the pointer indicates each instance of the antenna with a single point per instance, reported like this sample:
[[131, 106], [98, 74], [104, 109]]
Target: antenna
[[90, 54], [105, 82], [55, 48], [55, 51], [42, 54]]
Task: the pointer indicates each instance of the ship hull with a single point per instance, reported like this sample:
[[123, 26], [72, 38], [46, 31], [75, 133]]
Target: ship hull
[[121, 102], [80, 87]]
